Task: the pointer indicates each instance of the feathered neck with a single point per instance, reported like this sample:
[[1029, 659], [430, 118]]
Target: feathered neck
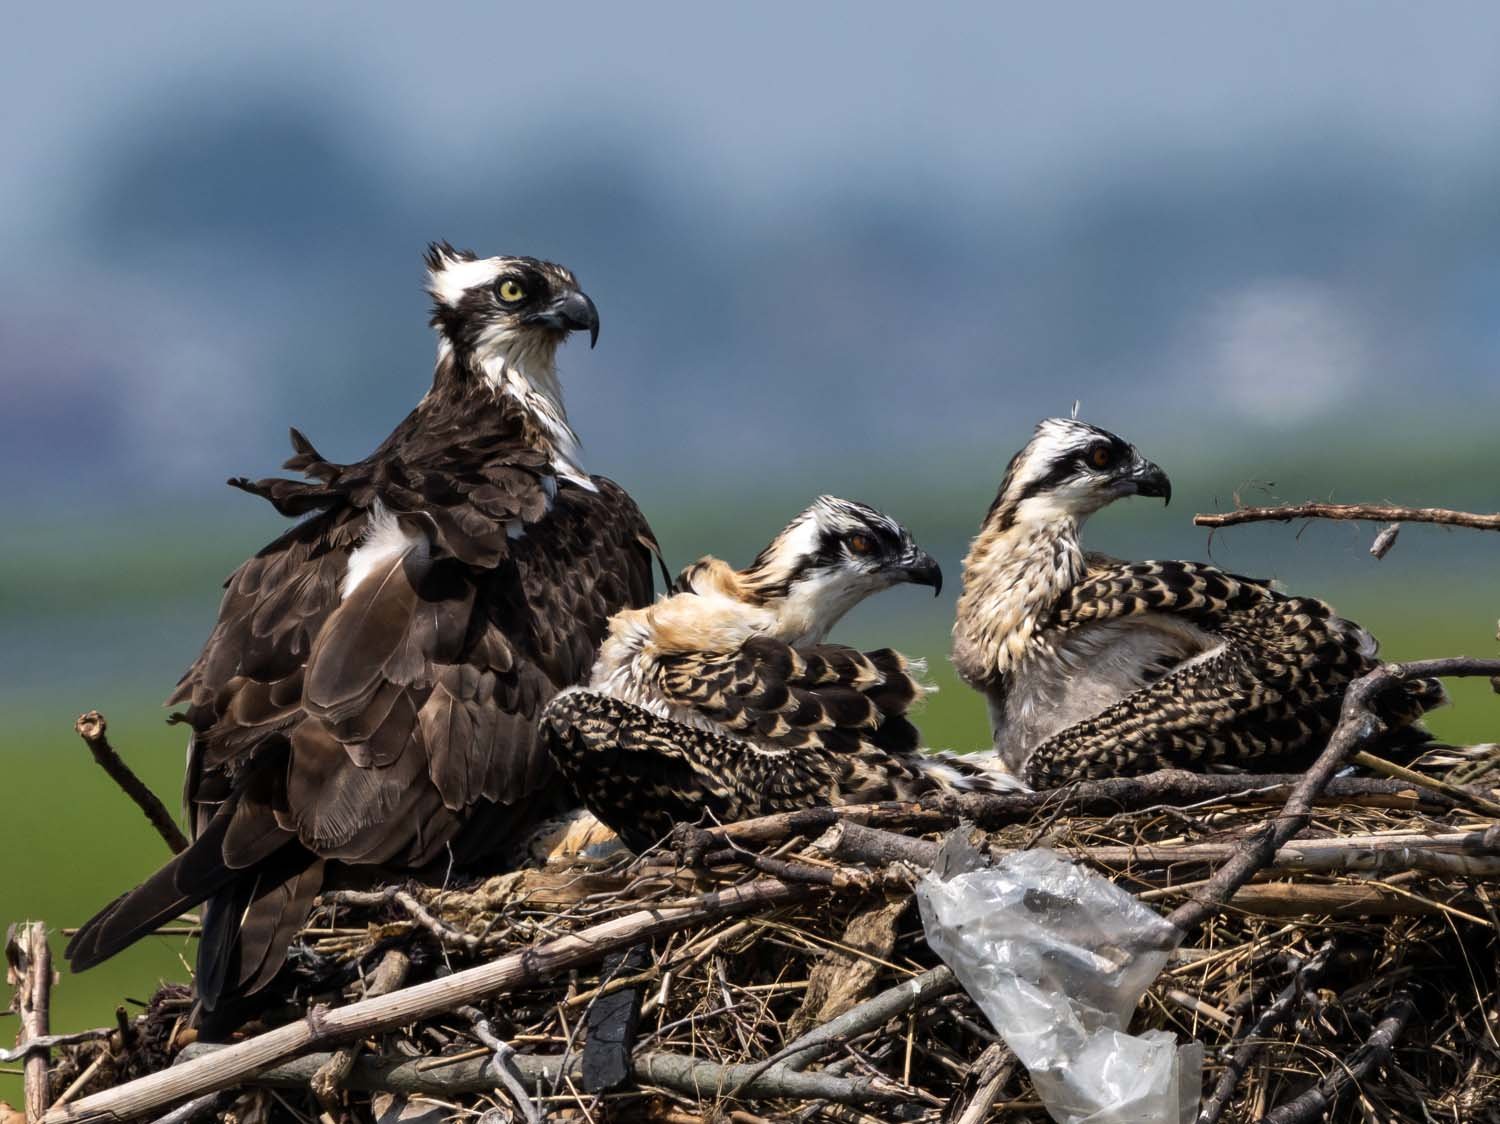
[[712, 610], [519, 378], [802, 609], [1013, 575]]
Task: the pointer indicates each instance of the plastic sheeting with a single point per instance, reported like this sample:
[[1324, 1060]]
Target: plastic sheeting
[[1057, 958]]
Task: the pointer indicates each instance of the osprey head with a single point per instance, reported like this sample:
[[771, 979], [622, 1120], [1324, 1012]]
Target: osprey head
[[831, 557], [1071, 469], [501, 320], [513, 311]]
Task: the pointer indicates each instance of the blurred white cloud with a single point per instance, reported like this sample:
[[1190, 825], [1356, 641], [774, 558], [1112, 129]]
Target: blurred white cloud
[[1282, 350]]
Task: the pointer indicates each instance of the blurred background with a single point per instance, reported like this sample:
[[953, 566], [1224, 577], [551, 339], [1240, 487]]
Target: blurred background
[[846, 248]]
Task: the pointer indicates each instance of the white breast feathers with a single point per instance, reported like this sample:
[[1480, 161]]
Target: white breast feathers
[[1066, 678], [384, 540]]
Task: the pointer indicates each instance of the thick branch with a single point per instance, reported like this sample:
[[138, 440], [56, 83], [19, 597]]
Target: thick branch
[[323, 1027], [862, 1017], [1468, 854], [1372, 512], [854, 842], [1175, 788], [689, 1076], [29, 971], [1461, 854], [91, 727]]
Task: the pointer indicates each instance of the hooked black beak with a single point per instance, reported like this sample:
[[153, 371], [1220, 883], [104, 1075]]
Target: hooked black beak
[[920, 568], [572, 312], [1149, 480]]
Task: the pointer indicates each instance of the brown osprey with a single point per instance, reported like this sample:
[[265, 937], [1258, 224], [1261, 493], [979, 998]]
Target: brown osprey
[[370, 693], [1094, 667], [724, 699]]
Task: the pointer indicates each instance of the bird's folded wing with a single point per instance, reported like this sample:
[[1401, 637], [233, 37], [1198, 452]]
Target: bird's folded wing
[[1203, 594], [822, 697], [388, 709], [641, 773], [1272, 690]]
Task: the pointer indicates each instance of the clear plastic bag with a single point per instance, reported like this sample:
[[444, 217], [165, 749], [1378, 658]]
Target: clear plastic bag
[[1057, 957]]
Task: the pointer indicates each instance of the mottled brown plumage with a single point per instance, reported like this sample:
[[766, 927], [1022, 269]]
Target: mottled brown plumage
[[781, 729], [1093, 667], [1268, 692], [722, 701], [368, 699]]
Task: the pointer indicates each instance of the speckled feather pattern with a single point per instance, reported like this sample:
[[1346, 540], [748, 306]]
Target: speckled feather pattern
[[1269, 693], [641, 774], [723, 701], [1093, 667]]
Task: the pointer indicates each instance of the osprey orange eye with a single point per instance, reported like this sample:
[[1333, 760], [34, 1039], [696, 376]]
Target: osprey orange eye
[[511, 291], [1101, 455], [861, 544]]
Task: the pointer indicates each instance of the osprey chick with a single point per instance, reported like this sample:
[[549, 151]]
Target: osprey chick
[[723, 698], [368, 699], [1093, 667]]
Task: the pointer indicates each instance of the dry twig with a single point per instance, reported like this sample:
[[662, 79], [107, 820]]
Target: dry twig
[[1318, 1100], [91, 728], [328, 1082], [1254, 1041], [1437, 784], [1368, 512]]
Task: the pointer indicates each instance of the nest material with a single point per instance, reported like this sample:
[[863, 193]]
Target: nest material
[[1356, 976]]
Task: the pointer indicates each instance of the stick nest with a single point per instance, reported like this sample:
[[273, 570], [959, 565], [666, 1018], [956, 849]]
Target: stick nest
[[1383, 912]]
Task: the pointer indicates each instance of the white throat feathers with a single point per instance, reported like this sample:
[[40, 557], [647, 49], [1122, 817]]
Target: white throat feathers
[[500, 321], [526, 374]]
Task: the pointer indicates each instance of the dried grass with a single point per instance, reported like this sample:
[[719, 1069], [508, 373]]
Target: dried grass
[[741, 990]]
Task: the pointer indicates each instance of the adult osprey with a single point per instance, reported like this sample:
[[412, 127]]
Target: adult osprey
[[725, 700], [370, 693], [1094, 667]]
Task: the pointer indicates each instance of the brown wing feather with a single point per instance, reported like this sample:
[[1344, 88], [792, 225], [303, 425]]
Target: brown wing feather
[[378, 725], [823, 697], [1271, 692], [1202, 593], [802, 727], [640, 773]]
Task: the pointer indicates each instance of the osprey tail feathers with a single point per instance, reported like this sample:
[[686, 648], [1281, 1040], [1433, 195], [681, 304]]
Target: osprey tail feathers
[[268, 891]]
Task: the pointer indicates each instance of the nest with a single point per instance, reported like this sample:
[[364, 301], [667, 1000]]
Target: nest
[[778, 970]]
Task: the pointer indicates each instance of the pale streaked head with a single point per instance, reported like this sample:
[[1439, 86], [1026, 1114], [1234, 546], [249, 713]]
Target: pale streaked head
[[829, 558], [1070, 469]]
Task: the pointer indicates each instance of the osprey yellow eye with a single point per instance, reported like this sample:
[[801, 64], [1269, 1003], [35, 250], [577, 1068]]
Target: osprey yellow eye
[[511, 291], [861, 544], [1101, 456]]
